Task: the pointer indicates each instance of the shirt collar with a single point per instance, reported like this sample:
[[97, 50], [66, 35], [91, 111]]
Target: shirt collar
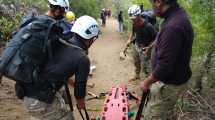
[[171, 10]]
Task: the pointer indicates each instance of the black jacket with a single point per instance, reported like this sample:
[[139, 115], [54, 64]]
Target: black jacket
[[67, 61], [144, 34]]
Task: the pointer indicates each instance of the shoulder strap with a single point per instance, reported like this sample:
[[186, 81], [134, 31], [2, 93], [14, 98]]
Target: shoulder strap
[[48, 42], [69, 44]]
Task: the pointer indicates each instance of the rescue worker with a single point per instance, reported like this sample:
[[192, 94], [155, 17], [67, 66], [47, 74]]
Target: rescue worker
[[41, 99], [170, 61], [142, 36], [70, 17]]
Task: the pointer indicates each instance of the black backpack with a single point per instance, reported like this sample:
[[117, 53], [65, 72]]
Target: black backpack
[[29, 48]]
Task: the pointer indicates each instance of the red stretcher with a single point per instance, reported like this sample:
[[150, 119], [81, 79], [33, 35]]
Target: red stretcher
[[116, 105]]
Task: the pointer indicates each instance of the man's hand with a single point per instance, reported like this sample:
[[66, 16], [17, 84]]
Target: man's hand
[[126, 47], [81, 103], [125, 51], [71, 82], [146, 84], [146, 50], [122, 56]]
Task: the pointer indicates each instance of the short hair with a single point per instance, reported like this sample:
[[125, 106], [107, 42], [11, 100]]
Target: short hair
[[170, 1]]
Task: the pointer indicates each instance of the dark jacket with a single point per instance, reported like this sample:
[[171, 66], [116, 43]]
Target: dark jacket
[[172, 53], [67, 61], [120, 16], [144, 34]]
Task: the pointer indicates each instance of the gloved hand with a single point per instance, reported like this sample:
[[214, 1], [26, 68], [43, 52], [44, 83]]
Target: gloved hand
[[81, 103], [122, 56]]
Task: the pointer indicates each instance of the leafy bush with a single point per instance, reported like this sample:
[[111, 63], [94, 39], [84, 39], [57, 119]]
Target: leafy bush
[[85, 7], [7, 25], [11, 20]]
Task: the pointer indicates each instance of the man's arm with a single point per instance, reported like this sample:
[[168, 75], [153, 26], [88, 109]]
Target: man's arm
[[81, 76], [71, 81], [130, 40], [152, 33], [146, 84]]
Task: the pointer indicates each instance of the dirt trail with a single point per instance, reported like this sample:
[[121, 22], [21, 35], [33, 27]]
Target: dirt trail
[[105, 53], [109, 71]]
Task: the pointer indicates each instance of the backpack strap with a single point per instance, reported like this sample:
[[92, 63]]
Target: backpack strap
[[69, 44], [47, 41]]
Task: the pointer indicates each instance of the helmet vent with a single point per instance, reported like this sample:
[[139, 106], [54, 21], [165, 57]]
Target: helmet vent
[[92, 29]]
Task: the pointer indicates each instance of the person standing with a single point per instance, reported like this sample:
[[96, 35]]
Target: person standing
[[120, 20], [103, 17], [142, 36], [170, 61]]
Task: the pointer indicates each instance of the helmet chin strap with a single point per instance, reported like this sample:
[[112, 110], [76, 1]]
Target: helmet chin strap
[[91, 41]]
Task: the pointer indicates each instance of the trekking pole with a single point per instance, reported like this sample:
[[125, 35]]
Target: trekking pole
[[69, 97], [86, 114], [1, 77], [143, 99], [79, 110]]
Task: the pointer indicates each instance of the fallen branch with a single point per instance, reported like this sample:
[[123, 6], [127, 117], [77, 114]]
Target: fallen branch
[[205, 102]]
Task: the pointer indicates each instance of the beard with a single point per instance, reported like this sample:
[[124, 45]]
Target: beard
[[157, 12]]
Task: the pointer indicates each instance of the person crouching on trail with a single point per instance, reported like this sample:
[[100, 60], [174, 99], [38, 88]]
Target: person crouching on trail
[[70, 58]]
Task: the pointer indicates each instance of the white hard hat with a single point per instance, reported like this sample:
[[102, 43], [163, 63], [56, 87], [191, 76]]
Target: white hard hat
[[61, 3], [134, 11], [86, 27]]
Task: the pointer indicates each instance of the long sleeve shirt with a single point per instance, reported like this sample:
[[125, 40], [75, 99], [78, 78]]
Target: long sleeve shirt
[[173, 48]]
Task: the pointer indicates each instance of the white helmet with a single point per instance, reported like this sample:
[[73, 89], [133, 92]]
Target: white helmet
[[86, 27], [134, 11], [61, 3]]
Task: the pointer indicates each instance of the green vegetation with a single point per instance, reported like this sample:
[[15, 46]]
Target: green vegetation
[[85, 7], [10, 18]]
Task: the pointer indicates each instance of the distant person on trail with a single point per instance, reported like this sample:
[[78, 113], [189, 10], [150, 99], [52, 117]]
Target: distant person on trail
[[142, 36], [120, 20], [108, 13], [103, 17], [170, 61]]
